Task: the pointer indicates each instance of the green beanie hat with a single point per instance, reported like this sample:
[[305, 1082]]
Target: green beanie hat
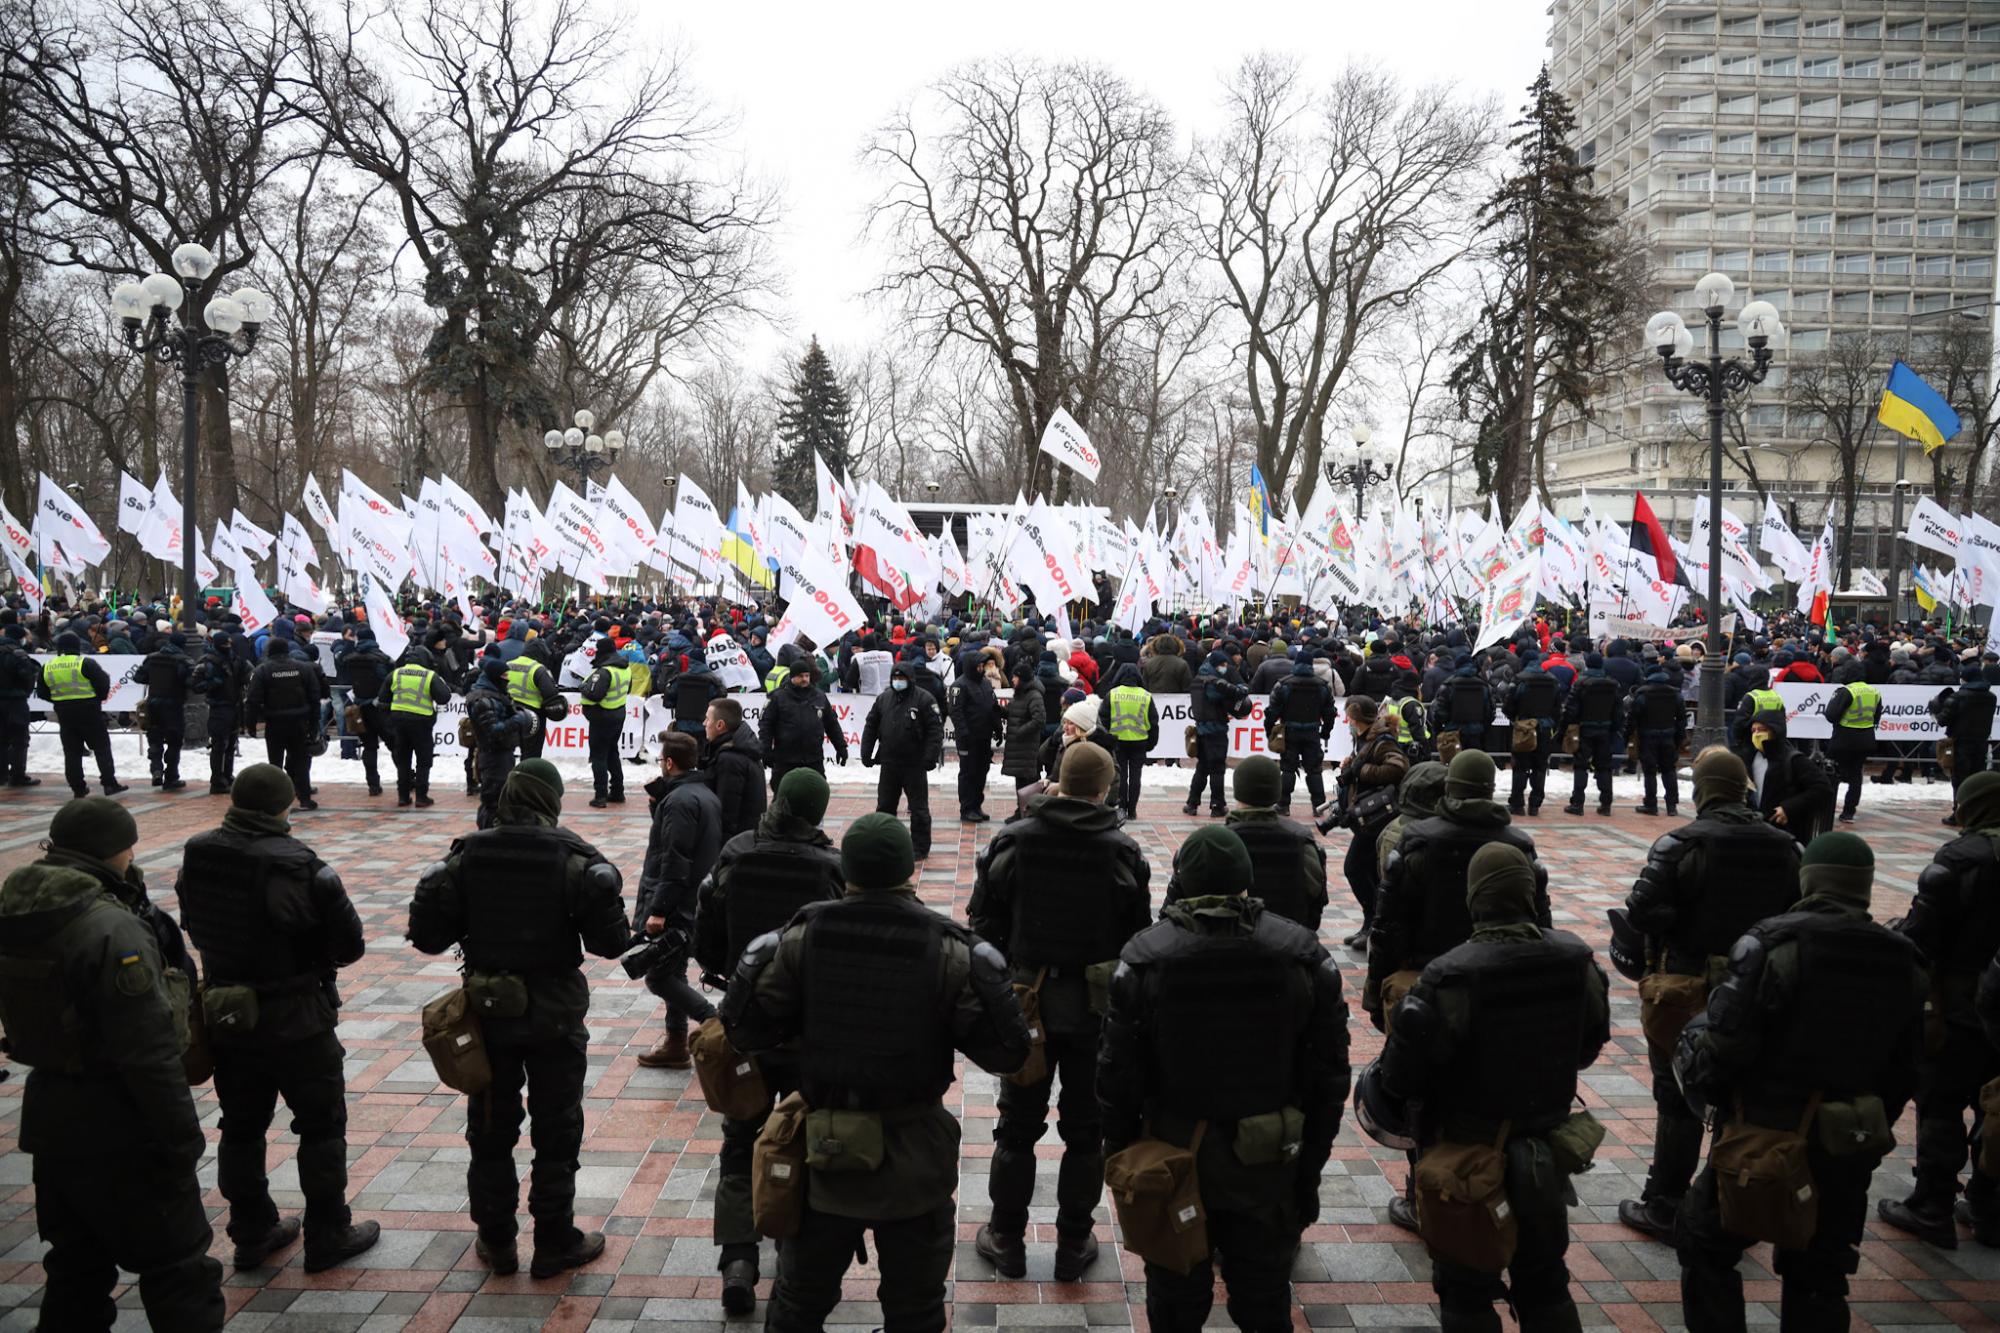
[[876, 853], [1500, 884], [1213, 860], [1417, 798], [1086, 771], [805, 794], [95, 826], [1979, 801], [1257, 781], [1839, 867], [1719, 778], [1471, 775], [265, 788], [542, 771]]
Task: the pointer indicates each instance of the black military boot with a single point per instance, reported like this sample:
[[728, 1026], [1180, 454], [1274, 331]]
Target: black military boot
[[1654, 1216], [1604, 805], [739, 1286], [1928, 1219], [1515, 807], [1007, 1254], [1074, 1255], [323, 1252], [1403, 1213], [1646, 808], [1191, 808], [253, 1253], [1985, 1224], [1573, 808], [586, 1246], [498, 1255]]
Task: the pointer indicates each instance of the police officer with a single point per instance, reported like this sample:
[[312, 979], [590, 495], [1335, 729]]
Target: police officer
[[165, 673], [1288, 863], [364, 669], [976, 728], [1536, 697], [878, 991], [530, 685], [1488, 1043], [1966, 714], [798, 723], [1955, 920], [1594, 708], [1703, 886], [284, 695], [498, 725], [681, 849], [78, 687], [1853, 710], [222, 677], [1227, 1014], [1464, 707], [273, 923], [1658, 717], [1761, 699], [1059, 891], [905, 732], [410, 698], [523, 900], [1217, 692], [20, 673], [1134, 723], [1303, 705], [106, 1115], [760, 880], [604, 693], [1821, 1005]]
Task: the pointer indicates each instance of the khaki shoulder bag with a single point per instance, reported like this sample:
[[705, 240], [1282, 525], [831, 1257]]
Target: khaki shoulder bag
[[1394, 987], [1527, 735], [1572, 739], [1462, 1209], [1947, 754], [1668, 1002], [1765, 1182], [1036, 1067], [778, 1171], [1156, 1196], [730, 1080], [457, 1047], [1448, 744]]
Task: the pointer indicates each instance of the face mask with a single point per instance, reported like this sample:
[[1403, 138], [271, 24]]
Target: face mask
[[1759, 739], [899, 685]]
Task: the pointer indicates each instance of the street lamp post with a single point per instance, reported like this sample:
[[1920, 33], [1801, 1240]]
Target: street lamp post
[[1714, 380], [583, 452], [1362, 472], [227, 328]]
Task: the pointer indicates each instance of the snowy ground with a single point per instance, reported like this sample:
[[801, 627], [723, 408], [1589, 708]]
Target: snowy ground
[[129, 752]]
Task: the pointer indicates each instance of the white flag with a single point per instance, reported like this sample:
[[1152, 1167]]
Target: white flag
[[16, 534], [462, 522], [161, 535], [818, 603], [133, 502], [1933, 528], [1065, 441], [697, 538], [249, 536], [389, 630], [255, 608], [317, 508], [61, 519], [622, 521], [25, 583], [1776, 540]]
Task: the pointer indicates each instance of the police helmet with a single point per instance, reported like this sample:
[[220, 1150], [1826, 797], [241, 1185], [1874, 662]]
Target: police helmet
[[1628, 946], [1382, 1118]]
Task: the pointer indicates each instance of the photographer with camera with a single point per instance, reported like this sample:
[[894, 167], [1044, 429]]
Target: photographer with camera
[[681, 850]]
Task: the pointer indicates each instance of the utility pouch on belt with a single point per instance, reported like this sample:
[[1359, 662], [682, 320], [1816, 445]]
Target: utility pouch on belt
[[1265, 1140], [351, 716], [843, 1140], [1947, 754], [1036, 1067], [1857, 1128], [1572, 739], [730, 1080], [456, 1047], [1764, 1181], [143, 715], [1394, 987], [197, 1057], [497, 994], [1668, 1001], [1573, 1144], [1448, 745], [1157, 1199], [1098, 977], [1462, 1207], [229, 1011], [1274, 739], [1527, 735], [466, 735], [1191, 746], [1989, 1129], [778, 1171]]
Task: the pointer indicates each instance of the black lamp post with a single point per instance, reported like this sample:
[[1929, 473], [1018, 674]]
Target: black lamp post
[[582, 452], [227, 329], [1714, 380], [1362, 472]]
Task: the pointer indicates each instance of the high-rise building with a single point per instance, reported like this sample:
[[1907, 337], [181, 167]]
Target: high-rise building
[[1839, 159]]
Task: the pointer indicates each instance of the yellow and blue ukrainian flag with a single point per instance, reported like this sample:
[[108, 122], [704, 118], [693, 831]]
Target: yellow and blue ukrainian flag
[[1913, 408], [1260, 502]]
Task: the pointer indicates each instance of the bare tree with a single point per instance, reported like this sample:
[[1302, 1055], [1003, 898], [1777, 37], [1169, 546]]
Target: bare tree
[[1033, 223], [1834, 394], [731, 429], [1957, 358], [1328, 214], [522, 165]]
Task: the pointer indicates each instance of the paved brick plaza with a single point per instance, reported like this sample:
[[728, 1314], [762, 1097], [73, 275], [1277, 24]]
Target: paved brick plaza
[[651, 1145]]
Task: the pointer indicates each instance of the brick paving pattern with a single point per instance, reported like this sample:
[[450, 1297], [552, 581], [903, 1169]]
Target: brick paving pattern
[[651, 1143]]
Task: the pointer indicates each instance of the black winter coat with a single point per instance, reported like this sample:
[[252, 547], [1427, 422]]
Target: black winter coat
[[734, 766]]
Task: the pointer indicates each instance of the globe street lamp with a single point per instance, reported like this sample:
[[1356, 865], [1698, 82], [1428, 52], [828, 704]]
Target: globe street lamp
[[1362, 472], [581, 451], [227, 328], [1714, 379]]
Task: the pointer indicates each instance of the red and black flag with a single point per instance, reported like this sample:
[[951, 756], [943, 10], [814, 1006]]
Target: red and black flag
[[1650, 537]]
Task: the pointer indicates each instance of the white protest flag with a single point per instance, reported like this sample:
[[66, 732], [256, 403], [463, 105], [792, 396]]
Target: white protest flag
[[1817, 576], [16, 534], [622, 521], [133, 502], [1933, 528], [730, 663], [204, 568], [426, 526], [1065, 442], [1508, 599], [374, 534], [697, 538], [231, 553], [1979, 559], [249, 536], [160, 537], [829, 498], [59, 518], [817, 602], [25, 583], [388, 625], [1044, 559], [579, 545], [295, 553], [790, 533], [891, 532], [253, 606], [1776, 540], [953, 575], [317, 509], [462, 527]]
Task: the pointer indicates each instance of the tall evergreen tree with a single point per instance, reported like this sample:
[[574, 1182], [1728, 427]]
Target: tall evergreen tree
[[1563, 281], [812, 419]]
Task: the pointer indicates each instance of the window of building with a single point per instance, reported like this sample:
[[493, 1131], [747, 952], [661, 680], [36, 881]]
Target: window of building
[[1819, 106], [1733, 259], [1745, 26], [1817, 147], [1689, 259], [1696, 221], [1741, 105], [1946, 149], [1948, 32], [1864, 29], [1980, 150], [1939, 225], [1775, 182], [1765, 416], [1696, 23], [1781, 144], [1851, 186], [1736, 143], [1983, 71], [1978, 229], [1691, 180], [1703, 102], [1701, 64], [1945, 110], [1815, 185], [1857, 146], [1814, 261], [1982, 111], [1822, 27], [1777, 106], [1976, 189], [1975, 268], [1733, 182], [1897, 224], [1820, 67], [1926, 303], [1732, 221], [1861, 108], [1945, 69], [1816, 223], [1911, 68], [1891, 303], [1892, 263], [1866, 68], [1901, 109], [1773, 223], [1933, 266], [1851, 303], [1852, 263], [1938, 187], [1897, 187], [1781, 297], [1782, 27], [1773, 261], [1986, 32], [1810, 301], [1905, 30], [1857, 224], [1690, 141], [1807, 340], [1739, 64]]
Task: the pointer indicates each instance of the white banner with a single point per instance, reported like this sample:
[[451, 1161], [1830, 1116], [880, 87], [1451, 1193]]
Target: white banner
[[1065, 441]]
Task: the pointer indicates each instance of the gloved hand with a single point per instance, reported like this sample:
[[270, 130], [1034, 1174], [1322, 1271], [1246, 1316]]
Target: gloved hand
[[1305, 1197]]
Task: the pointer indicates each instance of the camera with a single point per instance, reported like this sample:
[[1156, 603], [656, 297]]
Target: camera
[[662, 948]]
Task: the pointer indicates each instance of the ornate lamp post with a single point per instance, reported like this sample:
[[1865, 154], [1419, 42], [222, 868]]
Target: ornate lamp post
[[582, 452], [1714, 380], [227, 329], [1362, 473]]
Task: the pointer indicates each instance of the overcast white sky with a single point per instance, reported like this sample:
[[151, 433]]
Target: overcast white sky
[[809, 82]]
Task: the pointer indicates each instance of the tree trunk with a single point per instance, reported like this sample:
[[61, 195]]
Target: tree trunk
[[218, 458], [15, 483], [482, 433], [1850, 484]]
